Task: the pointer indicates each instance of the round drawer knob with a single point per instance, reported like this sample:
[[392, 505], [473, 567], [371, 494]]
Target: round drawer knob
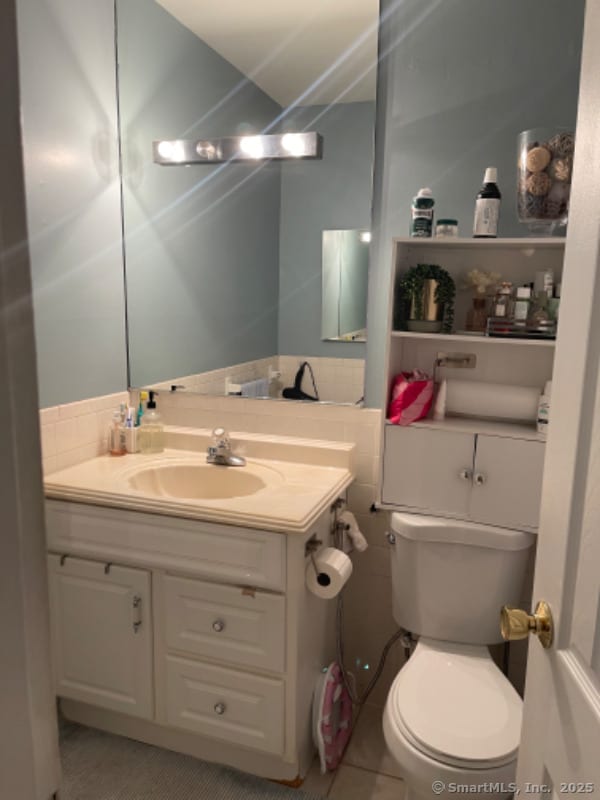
[[479, 478], [218, 626], [220, 708]]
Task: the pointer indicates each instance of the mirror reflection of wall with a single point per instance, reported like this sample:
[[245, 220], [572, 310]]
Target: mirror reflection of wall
[[345, 277], [223, 262]]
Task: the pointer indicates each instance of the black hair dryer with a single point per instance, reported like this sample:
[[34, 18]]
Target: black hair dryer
[[296, 392]]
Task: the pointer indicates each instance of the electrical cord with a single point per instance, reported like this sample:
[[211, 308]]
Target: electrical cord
[[358, 700]]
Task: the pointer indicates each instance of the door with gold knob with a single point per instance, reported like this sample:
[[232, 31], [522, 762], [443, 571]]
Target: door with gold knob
[[559, 754]]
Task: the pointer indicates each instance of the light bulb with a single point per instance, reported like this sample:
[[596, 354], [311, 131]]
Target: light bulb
[[294, 144], [171, 151], [252, 146]]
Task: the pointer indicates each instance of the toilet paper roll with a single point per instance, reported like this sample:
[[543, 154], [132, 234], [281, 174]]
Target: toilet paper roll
[[492, 400], [333, 568], [353, 532]]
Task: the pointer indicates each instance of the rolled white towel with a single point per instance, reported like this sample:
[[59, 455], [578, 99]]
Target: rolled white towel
[[353, 532]]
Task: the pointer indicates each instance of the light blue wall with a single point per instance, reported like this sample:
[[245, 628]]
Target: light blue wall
[[201, 242], [73, 205], [458, 81], [333, 193]]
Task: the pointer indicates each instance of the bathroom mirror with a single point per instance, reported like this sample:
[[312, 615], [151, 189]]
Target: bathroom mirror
[[224, 275], [345, 276]]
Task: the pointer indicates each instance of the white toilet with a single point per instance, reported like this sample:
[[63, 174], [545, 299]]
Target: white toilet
[[451, 716]]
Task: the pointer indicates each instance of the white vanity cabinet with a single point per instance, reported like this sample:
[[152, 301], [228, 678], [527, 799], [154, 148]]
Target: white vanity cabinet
[[102, 634], [484, 470], [475, 476], [187, 634]]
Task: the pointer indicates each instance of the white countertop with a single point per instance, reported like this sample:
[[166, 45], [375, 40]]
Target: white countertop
[[303, 477]]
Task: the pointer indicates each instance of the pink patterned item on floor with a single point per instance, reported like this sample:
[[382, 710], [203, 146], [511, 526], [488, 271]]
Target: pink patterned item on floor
[[332, 717]]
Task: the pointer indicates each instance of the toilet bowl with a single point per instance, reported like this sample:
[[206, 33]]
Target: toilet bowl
[[452, 719]]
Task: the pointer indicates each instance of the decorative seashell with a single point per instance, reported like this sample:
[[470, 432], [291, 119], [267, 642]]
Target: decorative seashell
[[559, 192], [530, 207], [538, 184], [562, 145], [538, 159], [560, 169], [557, 201]]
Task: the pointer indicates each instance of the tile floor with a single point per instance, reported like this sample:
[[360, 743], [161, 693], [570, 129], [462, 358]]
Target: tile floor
[[367, 771]]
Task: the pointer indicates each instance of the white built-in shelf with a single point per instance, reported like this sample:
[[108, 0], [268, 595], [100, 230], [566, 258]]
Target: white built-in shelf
[[465, 338], [510, 430], [524, 243]]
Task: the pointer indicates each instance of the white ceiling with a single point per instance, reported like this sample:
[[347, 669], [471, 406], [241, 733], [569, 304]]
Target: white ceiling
[[311, 51]]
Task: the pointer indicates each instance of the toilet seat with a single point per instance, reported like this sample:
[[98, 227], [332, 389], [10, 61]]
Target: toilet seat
[[452, 703]]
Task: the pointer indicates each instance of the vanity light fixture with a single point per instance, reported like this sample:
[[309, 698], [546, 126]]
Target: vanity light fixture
[[258, 147]]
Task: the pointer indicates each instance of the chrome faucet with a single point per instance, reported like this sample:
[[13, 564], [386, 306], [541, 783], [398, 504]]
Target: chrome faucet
[[219, 452]]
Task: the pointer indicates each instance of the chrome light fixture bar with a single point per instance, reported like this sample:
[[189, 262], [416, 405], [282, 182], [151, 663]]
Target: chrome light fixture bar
[[265, 147]]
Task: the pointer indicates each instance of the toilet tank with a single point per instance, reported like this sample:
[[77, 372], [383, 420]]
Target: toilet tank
[[451, 578]]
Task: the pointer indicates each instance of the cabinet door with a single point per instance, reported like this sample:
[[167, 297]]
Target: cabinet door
[[428, 469], [101, 635], [507, 482]]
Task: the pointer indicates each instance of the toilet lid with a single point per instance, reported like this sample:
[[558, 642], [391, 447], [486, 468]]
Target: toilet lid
[[453, 703]]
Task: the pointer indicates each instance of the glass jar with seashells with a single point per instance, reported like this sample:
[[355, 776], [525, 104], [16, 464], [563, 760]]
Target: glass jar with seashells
[[544, 172]]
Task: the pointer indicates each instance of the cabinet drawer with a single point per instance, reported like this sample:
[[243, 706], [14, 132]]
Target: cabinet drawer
[[194, 547], [242, 709], [225, 622]]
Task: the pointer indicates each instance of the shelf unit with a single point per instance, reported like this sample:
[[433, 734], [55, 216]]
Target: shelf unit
[[509, 430], [525, 362], [418, 469], [468, 339]]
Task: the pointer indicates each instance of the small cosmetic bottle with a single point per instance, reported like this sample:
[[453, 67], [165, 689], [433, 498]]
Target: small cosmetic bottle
[[116, 442]]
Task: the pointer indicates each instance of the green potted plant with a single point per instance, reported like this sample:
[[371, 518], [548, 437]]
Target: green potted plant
[[425, 300]]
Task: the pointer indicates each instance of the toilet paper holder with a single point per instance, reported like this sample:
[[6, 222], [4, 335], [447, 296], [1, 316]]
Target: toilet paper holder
[[310, 548]]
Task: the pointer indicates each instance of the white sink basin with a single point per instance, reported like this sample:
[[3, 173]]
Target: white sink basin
[[200, 481]]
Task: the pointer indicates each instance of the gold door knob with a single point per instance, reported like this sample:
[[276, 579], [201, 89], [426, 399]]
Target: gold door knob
[[518, 624]]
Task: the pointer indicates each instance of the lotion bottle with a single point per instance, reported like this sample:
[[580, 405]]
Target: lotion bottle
[[116, 444], [487, 207]]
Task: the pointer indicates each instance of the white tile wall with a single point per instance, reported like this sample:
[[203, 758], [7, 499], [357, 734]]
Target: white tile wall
[[77, 431], [339, 380], [213, 382]]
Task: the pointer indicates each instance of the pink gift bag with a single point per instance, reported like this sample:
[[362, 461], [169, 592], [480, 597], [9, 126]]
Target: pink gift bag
[[412, 396]]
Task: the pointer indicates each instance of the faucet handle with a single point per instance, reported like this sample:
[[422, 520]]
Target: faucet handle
[[221, 439]]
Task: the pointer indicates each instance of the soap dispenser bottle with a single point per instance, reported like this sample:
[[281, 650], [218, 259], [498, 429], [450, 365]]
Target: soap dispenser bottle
[[151, 438]]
